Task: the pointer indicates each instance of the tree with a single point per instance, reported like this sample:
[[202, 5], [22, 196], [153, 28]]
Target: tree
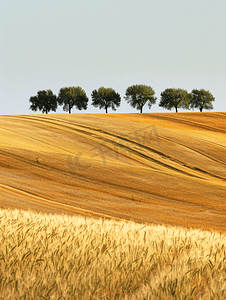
[[175, 98], [44, 101], [72, 96], [202, 99], [105, 98], [138, 95]]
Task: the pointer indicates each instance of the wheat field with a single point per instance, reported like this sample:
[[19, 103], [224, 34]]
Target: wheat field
[[155, 168], [113, 206], [46, 256]]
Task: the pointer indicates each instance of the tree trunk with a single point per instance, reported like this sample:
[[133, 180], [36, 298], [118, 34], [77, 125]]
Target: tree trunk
[[176, 108], [106, 108], [69, 109], [141, 109], [200, 108]]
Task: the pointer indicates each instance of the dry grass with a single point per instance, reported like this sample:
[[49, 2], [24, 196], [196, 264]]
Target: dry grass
[[67, 257]]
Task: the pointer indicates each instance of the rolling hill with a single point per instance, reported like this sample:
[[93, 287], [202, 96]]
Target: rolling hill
[[150, 168]]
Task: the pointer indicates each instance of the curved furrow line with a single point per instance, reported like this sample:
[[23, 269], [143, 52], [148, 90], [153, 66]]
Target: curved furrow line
[[46, 167], [167, 166], [87, 179], [129, 190], [218, 115], [158, 152], [61, 181], [117, 144], [222, 113], [214, 159], [72, 126], [36, 140], [154, 151], [83, 177], [111, 134], [211, 142], [52, 203], [24, 160], [40, 166], [191, 123]]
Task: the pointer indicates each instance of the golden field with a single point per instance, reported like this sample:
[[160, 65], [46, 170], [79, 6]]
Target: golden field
[[74, 257], [113, 206], [156, 168]]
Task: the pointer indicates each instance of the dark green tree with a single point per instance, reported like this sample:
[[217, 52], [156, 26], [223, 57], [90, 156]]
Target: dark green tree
[[72, 96], [202, 99], [138, 95], [44, 101], [175, 98], [105, 98]]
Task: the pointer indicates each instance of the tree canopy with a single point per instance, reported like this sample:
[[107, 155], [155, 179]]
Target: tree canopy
[[44, 101], [138, 95], [202, 99], [105, 98], [72, 96], [175, 98]]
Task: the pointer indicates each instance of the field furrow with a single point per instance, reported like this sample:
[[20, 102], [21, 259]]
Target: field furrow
[[150, 168]]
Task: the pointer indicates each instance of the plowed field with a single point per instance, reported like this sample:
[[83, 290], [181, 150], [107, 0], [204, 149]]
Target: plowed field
[[150, 168]]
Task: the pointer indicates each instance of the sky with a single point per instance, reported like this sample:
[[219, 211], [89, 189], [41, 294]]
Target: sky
[[50, 44]]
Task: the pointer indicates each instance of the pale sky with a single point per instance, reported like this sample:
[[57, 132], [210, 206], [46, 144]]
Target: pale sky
[[50, 44]]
